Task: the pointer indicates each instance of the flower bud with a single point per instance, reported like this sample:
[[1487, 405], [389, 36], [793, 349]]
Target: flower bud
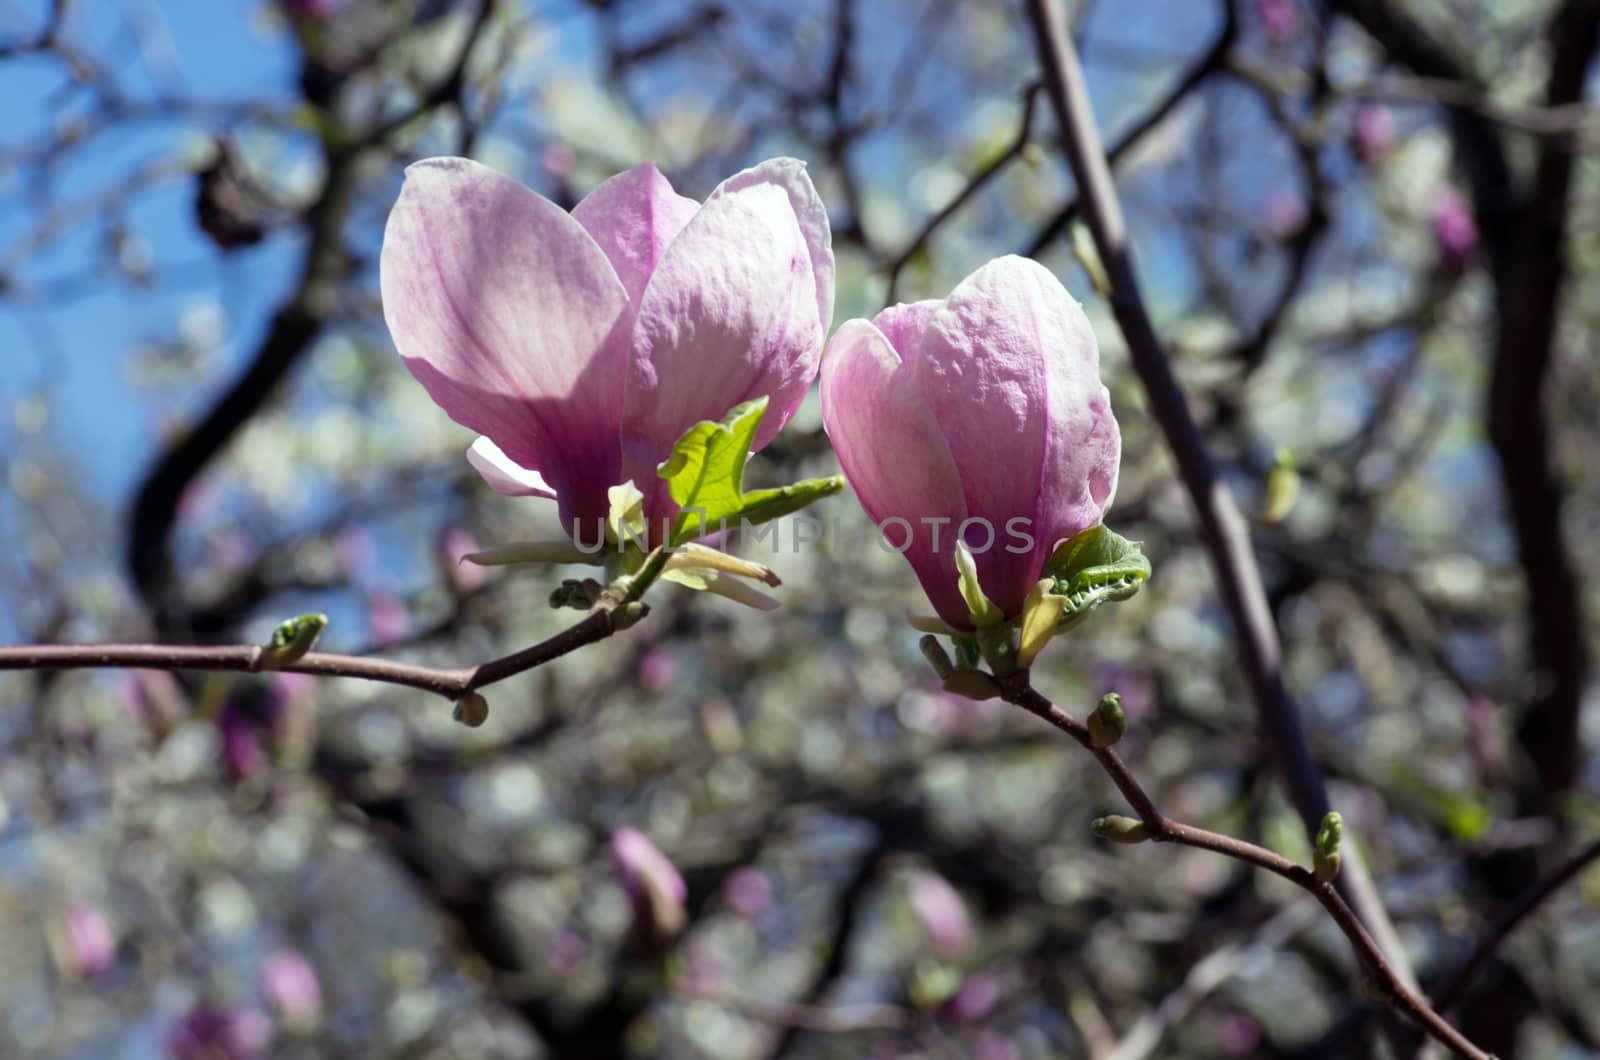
[[471, 710], [654, 886], [1120, 829], [1325, 859], [1107, 723], [291, 640]]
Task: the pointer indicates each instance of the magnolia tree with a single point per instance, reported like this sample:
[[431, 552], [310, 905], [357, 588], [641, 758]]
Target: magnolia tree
[[1315, 786]]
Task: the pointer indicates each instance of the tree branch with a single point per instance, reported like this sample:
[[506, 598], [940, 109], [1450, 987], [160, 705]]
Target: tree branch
[[1225, 530], [1162, 829]]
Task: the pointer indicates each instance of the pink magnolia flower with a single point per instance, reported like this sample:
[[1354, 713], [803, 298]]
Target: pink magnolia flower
[[1279, 20], [654, 886], [1374, 129], [749, 893], [88, 945], [582, 345], [943, 914], [290, 986], [982, 415], [209, 1033], [1454, 229]]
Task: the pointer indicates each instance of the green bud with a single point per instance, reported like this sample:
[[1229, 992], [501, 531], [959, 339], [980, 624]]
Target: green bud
[[937, 657], [291, 640], [1325, 859], [1107, 723], [472, 710], [973, 684], [1120, 829], [629, 614]]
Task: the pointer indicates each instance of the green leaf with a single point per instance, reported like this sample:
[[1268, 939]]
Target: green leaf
[[1097, 566], [705, 475]]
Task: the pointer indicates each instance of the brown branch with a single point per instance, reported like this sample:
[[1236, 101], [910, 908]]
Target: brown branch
[[1204, 67], [1524, 907], [600, 622], [1018, 145], [1163, 829], [1226, 533]]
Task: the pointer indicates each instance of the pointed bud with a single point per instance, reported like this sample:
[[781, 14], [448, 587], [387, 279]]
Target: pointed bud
[[1283, 487], [1107, 723], [983, 610], [1120, 829], [972, 684], [291, 640], [1040, 613], [472, 710], [937, 657], [1325, 860]]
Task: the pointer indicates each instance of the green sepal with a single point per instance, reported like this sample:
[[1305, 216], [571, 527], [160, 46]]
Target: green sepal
[[705, 475], [290, 640], [1097, 566]]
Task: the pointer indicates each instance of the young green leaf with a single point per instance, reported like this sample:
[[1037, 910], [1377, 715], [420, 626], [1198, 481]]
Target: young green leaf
[[705, 475]]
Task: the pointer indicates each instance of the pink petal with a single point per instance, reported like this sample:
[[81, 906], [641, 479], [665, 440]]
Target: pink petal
[[895, 456], [504, 475], [512, 317], [1010, 370], [633, 216], [729, 315], [809, 210]]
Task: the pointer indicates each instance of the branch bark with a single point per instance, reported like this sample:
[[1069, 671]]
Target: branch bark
[[1225, 531]]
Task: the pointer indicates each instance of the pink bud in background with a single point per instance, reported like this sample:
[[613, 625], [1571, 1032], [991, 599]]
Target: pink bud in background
[[978, 996], [388, 619], [356, 551], [291, 989], [455, 544], [655, 888], [942, 913], [1279, 20], [985, 410], [1283, 213], [657, 668], [749, 893], [241, 746], [88, 946], [1454, 229], [582, 345], [209, 1033], [1374, 128]]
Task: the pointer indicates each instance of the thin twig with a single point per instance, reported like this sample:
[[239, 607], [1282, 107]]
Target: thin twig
[[1226, 533], [1520, 910], [1162, 829], [975, 184], [452, 683]]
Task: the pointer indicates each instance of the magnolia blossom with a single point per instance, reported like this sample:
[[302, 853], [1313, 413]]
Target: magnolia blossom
[[655, 887], [980, 416], [582, 345], [290, 986], [88, 946], [1374, 132], [943, 914], [1454, 229]]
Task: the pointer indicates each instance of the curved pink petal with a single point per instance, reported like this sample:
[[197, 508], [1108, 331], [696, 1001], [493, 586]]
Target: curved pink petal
[[809, 210], [1001, 364], [512, 318], [504, 475], [729, 315], [633, 216], [895, 457]]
